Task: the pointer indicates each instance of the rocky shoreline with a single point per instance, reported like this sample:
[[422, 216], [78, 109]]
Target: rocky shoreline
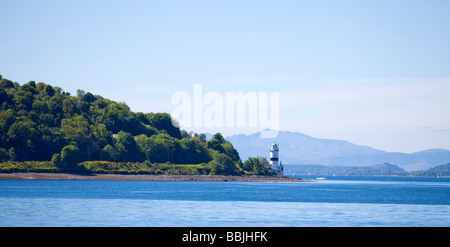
[[143, 177]]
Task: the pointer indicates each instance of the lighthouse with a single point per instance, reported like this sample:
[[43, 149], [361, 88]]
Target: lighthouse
[[274, 162]]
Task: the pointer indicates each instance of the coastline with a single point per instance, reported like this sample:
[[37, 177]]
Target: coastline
[[145, 177]]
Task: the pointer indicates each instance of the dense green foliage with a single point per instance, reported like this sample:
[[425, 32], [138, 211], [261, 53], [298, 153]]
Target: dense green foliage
[[40, 122], [29, 166], [144, 168], [256, 166]]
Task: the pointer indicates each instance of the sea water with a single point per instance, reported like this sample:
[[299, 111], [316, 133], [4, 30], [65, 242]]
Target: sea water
[[336, 201]]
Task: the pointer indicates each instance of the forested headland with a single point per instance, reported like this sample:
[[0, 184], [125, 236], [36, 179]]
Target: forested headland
[[45, 129]]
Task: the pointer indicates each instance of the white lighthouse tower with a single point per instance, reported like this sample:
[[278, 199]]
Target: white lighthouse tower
[[274, 162]]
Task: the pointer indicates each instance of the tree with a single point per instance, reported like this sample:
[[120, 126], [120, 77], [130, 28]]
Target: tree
[[109, 153], [249, 164], [80, 94], [12, 154], [24, 137], [127, 148], [68, 108], [230, 151], [5, 83], [56, 159], [158, 151], [173, 151], [55, 105], [202, 137], [215, 145], [219, 143], [77, 129], [70, 157], [118, 117], [6, 119], [163, 121], [39, 106], [51, 141], [222, 165], [4, 156], [40, 87], [3, 96], [58, 91], [88, 97], [48, 90], [219, 138], [23, 99], [145, 144], [184, 134], [256, 166], [195, 151]]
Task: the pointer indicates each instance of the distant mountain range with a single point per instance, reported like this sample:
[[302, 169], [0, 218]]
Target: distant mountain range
[[385, 169], [297, 148]]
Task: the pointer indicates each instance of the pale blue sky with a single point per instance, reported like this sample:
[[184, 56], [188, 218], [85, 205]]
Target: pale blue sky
[[375, 73]]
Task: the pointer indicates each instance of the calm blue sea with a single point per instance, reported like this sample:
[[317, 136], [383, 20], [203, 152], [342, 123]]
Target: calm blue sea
[[336, 201]]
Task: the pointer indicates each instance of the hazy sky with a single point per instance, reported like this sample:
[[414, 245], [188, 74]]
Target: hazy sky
[[375, 73]]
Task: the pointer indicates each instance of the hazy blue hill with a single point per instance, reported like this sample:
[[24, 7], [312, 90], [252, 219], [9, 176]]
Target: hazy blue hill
[[433, 151], [379, 169], [411, 162], [298, 148], [442, 170]]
